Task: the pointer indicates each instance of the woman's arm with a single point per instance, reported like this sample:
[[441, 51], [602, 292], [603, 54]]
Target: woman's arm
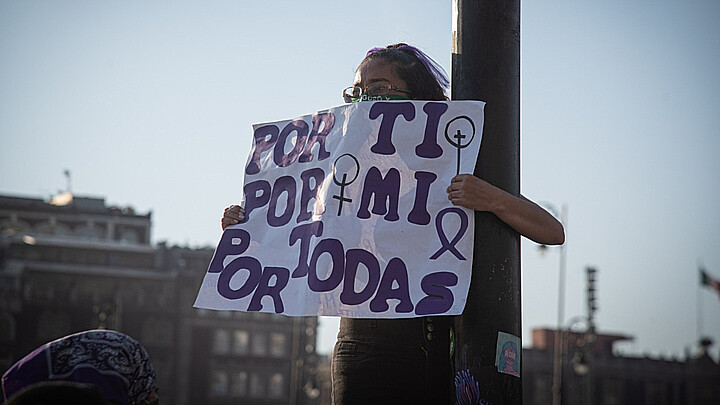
[[523, 215]]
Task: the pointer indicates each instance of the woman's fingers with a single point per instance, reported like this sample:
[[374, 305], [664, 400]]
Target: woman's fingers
[[455, 189], [232, 215], [471, 192], [232, 208]]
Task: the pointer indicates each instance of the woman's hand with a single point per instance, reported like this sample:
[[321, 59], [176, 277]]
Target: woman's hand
[[232, 215], [523, 215], [473, 192]]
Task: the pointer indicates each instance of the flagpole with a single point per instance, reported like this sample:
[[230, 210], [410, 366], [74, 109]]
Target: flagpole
[[700, 313], [699, 328]]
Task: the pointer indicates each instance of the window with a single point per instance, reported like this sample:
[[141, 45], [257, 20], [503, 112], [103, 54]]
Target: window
[[10, 227], [259, 345], [278, 346], [221, 342], [612, 392], [241, 342], [7, 328], [276, 386], [219, 383], [542, 390], [257, 388], [56, 229], [129, 236], [89, 231], [52, 325], [239, 385], [164, 369], [157, 331]]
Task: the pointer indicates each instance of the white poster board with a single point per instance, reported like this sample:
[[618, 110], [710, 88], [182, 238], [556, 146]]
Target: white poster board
[[348, 215]]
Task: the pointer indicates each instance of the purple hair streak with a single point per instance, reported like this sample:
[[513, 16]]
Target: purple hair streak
[[433, 67]]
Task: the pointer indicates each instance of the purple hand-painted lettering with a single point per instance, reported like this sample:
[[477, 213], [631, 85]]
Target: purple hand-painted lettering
[[284, 184], [265, 138], [419, 214], [384, 189], [368, 278], [334, 248], [429, 147], [355, 257], [389, 112], [318, 135], [303, 233], [257, 194], [283, 159], [282, 275], [394, 272], [309, 192], [439, 298], [226, 247], [254, 269]]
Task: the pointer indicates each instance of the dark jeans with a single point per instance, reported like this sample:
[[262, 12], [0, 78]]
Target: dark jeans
[[393, 361]]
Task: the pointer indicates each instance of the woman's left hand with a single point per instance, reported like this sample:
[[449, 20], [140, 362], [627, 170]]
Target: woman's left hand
[[473, 192], [523, 215]]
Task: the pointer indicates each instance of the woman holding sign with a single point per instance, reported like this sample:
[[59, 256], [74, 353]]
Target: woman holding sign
[[406, 361]]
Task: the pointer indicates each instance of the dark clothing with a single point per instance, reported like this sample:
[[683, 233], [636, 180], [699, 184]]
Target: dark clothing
[[113, 362], [393, 361]]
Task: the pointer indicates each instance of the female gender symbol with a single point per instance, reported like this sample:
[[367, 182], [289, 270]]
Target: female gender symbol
[[461, 131], [342, 199]]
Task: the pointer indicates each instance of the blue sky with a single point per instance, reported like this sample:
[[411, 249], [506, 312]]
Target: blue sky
[[150, 104]]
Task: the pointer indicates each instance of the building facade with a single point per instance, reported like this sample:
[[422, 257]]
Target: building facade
[[593, 374], [80, 264]]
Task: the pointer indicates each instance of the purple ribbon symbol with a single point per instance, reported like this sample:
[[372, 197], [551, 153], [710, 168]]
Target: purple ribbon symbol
[[450, 246]]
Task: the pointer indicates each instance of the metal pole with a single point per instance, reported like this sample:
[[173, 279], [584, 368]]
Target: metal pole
[[486, 66], [558, 349], [591, 335], [590, 340]]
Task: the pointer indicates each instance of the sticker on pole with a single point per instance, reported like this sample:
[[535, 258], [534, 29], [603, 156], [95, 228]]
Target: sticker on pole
[[507, 354]]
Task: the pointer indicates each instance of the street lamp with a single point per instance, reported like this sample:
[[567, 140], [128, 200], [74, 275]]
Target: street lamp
[[557, 354], [579, 359], [582, 358]]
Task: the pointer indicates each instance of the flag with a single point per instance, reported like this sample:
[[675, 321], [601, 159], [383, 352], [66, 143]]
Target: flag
[[709, 282]]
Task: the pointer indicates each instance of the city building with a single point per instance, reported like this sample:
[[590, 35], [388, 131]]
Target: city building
[[74, 263], [594, 374]]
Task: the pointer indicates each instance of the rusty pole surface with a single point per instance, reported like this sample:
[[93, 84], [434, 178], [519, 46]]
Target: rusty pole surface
[[486, 66]]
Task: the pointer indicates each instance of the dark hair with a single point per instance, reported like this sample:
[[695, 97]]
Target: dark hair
[[425, 78]]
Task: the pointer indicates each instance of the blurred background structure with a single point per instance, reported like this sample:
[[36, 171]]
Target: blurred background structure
[[74, 263], [594, 373]]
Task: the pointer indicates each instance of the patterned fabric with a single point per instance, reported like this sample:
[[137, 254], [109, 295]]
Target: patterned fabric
[[115, 363]]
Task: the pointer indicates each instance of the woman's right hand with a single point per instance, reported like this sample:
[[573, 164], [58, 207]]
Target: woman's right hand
[[232, 215]]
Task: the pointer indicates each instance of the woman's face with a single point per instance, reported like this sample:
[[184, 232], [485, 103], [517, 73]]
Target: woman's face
[[378, 71]]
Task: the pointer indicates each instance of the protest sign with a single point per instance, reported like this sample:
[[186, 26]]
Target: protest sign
[[348, 215]]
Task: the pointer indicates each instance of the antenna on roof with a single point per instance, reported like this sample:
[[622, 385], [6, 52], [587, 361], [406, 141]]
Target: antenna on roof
[[66, 197], [68, 188]]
